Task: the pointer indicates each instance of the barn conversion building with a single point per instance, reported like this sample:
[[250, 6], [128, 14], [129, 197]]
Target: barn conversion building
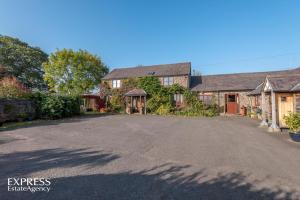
[[266, 93]]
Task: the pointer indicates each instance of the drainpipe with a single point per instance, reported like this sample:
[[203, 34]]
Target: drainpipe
[[263, 110], [274, 127]]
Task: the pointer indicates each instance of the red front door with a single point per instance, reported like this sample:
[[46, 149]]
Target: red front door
[[232, 106]]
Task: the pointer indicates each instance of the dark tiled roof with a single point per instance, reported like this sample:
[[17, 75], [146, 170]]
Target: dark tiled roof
[[257, 90], [234, 82], [153, 70], [284, 83], [136, 92], [296, 88]]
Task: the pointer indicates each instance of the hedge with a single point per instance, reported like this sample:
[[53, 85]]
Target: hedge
[[53, 106]]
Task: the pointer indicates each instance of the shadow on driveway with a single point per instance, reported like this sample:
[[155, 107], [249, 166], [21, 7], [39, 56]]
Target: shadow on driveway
[[20, 164], [168, 183], [162, 182]]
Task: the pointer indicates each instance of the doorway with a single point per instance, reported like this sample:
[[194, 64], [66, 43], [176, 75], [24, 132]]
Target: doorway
[[285, 106], [231, 103]]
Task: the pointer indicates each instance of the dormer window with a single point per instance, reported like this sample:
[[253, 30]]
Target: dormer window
[[151, 73], [168, 81], [116, 83]]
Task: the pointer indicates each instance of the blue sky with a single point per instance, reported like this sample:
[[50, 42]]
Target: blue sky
[[217, 36]]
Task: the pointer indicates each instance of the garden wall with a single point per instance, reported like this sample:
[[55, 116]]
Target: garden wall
[[16, 109]]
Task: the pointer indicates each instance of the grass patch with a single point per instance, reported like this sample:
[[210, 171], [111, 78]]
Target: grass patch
[[92, 113], [13, 125]]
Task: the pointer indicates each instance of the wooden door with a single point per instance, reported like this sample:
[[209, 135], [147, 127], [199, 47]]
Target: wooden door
[[232, 106], [285, 105]]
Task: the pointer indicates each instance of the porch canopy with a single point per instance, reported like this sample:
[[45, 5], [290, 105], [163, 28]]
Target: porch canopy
[[136, 101], [282, 91], [136, 92]]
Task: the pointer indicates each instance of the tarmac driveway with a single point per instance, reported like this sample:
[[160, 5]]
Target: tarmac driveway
[[151, 157]]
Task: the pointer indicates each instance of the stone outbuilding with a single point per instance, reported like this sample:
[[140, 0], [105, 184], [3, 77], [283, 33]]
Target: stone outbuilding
[[234, 93], [280, 95], [238, 93]]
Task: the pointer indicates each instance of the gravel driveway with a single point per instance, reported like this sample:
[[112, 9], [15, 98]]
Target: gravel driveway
[[151, 157]]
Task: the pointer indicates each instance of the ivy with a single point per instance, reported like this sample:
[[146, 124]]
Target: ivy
[[160, 99]]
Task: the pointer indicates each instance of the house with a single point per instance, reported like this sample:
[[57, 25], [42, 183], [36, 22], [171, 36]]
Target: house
[[232, 93], [168, 74], [280, 95]]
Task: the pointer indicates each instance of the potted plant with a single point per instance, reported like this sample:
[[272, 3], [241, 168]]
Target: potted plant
[[293, 123], [258, 113]]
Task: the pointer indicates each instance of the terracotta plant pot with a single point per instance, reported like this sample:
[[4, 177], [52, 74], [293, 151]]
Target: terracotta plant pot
[[295, 136]]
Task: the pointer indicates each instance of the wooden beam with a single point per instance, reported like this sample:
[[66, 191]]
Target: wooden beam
[[131, 105], [145, 105], [294, 102], [274, 127], [263, 109], [141, 104]]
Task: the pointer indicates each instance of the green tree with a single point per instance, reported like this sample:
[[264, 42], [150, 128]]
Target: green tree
[[3, 72], [73, 72], [22, 61]]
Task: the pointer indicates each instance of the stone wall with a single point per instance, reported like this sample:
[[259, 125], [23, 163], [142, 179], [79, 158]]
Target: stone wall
[[180, 80], [219, 99], [15, 109], [109, 83]]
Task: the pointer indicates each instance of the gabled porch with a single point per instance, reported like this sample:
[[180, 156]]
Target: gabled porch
[[279, 96], [136, 101]]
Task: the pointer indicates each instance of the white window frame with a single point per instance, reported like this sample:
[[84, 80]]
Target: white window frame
[[206, 99], [178, 98], [116, 83], [169, 80]]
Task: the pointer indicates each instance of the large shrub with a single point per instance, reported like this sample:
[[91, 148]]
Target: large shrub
[[165, 109], [160, 99], [117, 103], [293, 122], [53, 106], [155, 102], [150, 84], [194, 107]]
